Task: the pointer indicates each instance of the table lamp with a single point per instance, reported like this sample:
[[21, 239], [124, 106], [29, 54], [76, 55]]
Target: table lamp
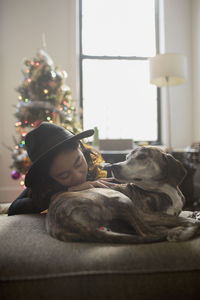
[[168, 69]]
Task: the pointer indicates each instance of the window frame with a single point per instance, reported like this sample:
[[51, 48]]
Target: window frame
[[83, 56]]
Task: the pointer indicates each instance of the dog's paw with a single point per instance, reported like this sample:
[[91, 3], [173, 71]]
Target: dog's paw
[[196, 215], [181, 233]]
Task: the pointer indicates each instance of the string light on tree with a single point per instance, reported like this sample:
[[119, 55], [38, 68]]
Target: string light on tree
[[45, 91]]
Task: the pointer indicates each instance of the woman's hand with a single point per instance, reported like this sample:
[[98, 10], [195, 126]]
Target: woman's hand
[[99, 183]]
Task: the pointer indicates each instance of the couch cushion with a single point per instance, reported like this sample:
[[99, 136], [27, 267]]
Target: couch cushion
[[30, 256]]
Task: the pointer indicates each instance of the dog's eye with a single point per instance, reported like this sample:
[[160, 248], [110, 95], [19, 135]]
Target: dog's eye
[[164, 157], [141, 156]]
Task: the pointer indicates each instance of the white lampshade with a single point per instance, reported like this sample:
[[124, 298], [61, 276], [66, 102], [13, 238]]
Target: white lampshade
[[168, 69]]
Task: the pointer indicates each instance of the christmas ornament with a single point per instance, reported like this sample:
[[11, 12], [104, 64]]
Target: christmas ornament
[[15, 175], [37, 123]]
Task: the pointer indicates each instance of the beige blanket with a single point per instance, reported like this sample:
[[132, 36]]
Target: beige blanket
[[4, 208]]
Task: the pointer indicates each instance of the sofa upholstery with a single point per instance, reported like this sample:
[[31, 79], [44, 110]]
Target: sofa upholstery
[[34, 265]]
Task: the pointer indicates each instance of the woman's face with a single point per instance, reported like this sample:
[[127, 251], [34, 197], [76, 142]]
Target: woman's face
[[69, 168]]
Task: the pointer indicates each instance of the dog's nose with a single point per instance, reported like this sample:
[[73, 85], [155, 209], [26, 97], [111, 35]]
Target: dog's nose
[[105, 166], [110, 167]]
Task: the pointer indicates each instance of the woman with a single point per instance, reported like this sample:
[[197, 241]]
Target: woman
[[60, 162]]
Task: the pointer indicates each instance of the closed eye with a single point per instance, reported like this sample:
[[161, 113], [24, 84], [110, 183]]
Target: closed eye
[[64, 176], [76, 166]]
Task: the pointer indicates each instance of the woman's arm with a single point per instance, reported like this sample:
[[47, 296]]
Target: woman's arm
[[22, 205], [99, 183]]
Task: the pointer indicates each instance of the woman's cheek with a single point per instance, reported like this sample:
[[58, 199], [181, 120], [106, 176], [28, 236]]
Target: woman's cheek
[[64, 182], [77, 178], [85, 169]]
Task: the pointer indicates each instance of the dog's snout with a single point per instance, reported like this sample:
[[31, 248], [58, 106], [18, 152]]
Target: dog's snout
[[105, 166], [115, 167], [108, 167]]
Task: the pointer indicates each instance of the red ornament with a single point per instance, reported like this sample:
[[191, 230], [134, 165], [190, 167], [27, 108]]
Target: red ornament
[[23, 133], [37, 123], [52, 84]]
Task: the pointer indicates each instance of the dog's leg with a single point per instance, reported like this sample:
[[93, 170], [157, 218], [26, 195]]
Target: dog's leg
[[177, 228], [100, 236], [136, 221], [121, 238], [160, 219], [181, 233]]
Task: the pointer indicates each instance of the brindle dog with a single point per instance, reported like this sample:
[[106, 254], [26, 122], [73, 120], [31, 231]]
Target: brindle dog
[[143, 210]]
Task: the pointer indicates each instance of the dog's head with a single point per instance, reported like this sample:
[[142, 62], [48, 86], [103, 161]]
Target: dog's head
[[149, 167]]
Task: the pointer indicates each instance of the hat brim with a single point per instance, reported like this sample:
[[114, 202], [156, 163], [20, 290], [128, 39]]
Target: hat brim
[[33, 170]]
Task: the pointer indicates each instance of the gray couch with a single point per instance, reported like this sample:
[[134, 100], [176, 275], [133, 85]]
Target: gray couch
[[33, 265]]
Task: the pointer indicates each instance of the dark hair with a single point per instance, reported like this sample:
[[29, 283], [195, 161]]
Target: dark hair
[[43, 187]]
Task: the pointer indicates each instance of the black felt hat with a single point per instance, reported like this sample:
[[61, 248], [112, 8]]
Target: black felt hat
[[43, 140]]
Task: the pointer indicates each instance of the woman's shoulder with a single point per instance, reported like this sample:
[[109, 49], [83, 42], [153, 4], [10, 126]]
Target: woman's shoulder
[[24, 193]]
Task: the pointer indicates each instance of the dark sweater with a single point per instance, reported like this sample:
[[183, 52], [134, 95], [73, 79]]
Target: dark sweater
[[23, 205]]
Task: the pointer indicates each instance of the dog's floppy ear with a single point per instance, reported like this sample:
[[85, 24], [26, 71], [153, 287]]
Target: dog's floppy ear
[[175, 170]]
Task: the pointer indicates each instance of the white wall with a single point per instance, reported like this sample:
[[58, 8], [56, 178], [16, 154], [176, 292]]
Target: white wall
[[22, 23], [177, 30], [196, 68]]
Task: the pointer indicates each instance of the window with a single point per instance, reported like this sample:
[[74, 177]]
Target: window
[[116, 39]]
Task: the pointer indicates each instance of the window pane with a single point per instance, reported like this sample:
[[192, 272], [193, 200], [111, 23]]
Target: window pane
[[119, 100], [118, 27]]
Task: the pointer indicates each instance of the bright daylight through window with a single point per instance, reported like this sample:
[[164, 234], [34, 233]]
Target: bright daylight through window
[[117, 38]]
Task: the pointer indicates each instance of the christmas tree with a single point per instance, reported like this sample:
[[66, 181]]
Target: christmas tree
[[43, 96]]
